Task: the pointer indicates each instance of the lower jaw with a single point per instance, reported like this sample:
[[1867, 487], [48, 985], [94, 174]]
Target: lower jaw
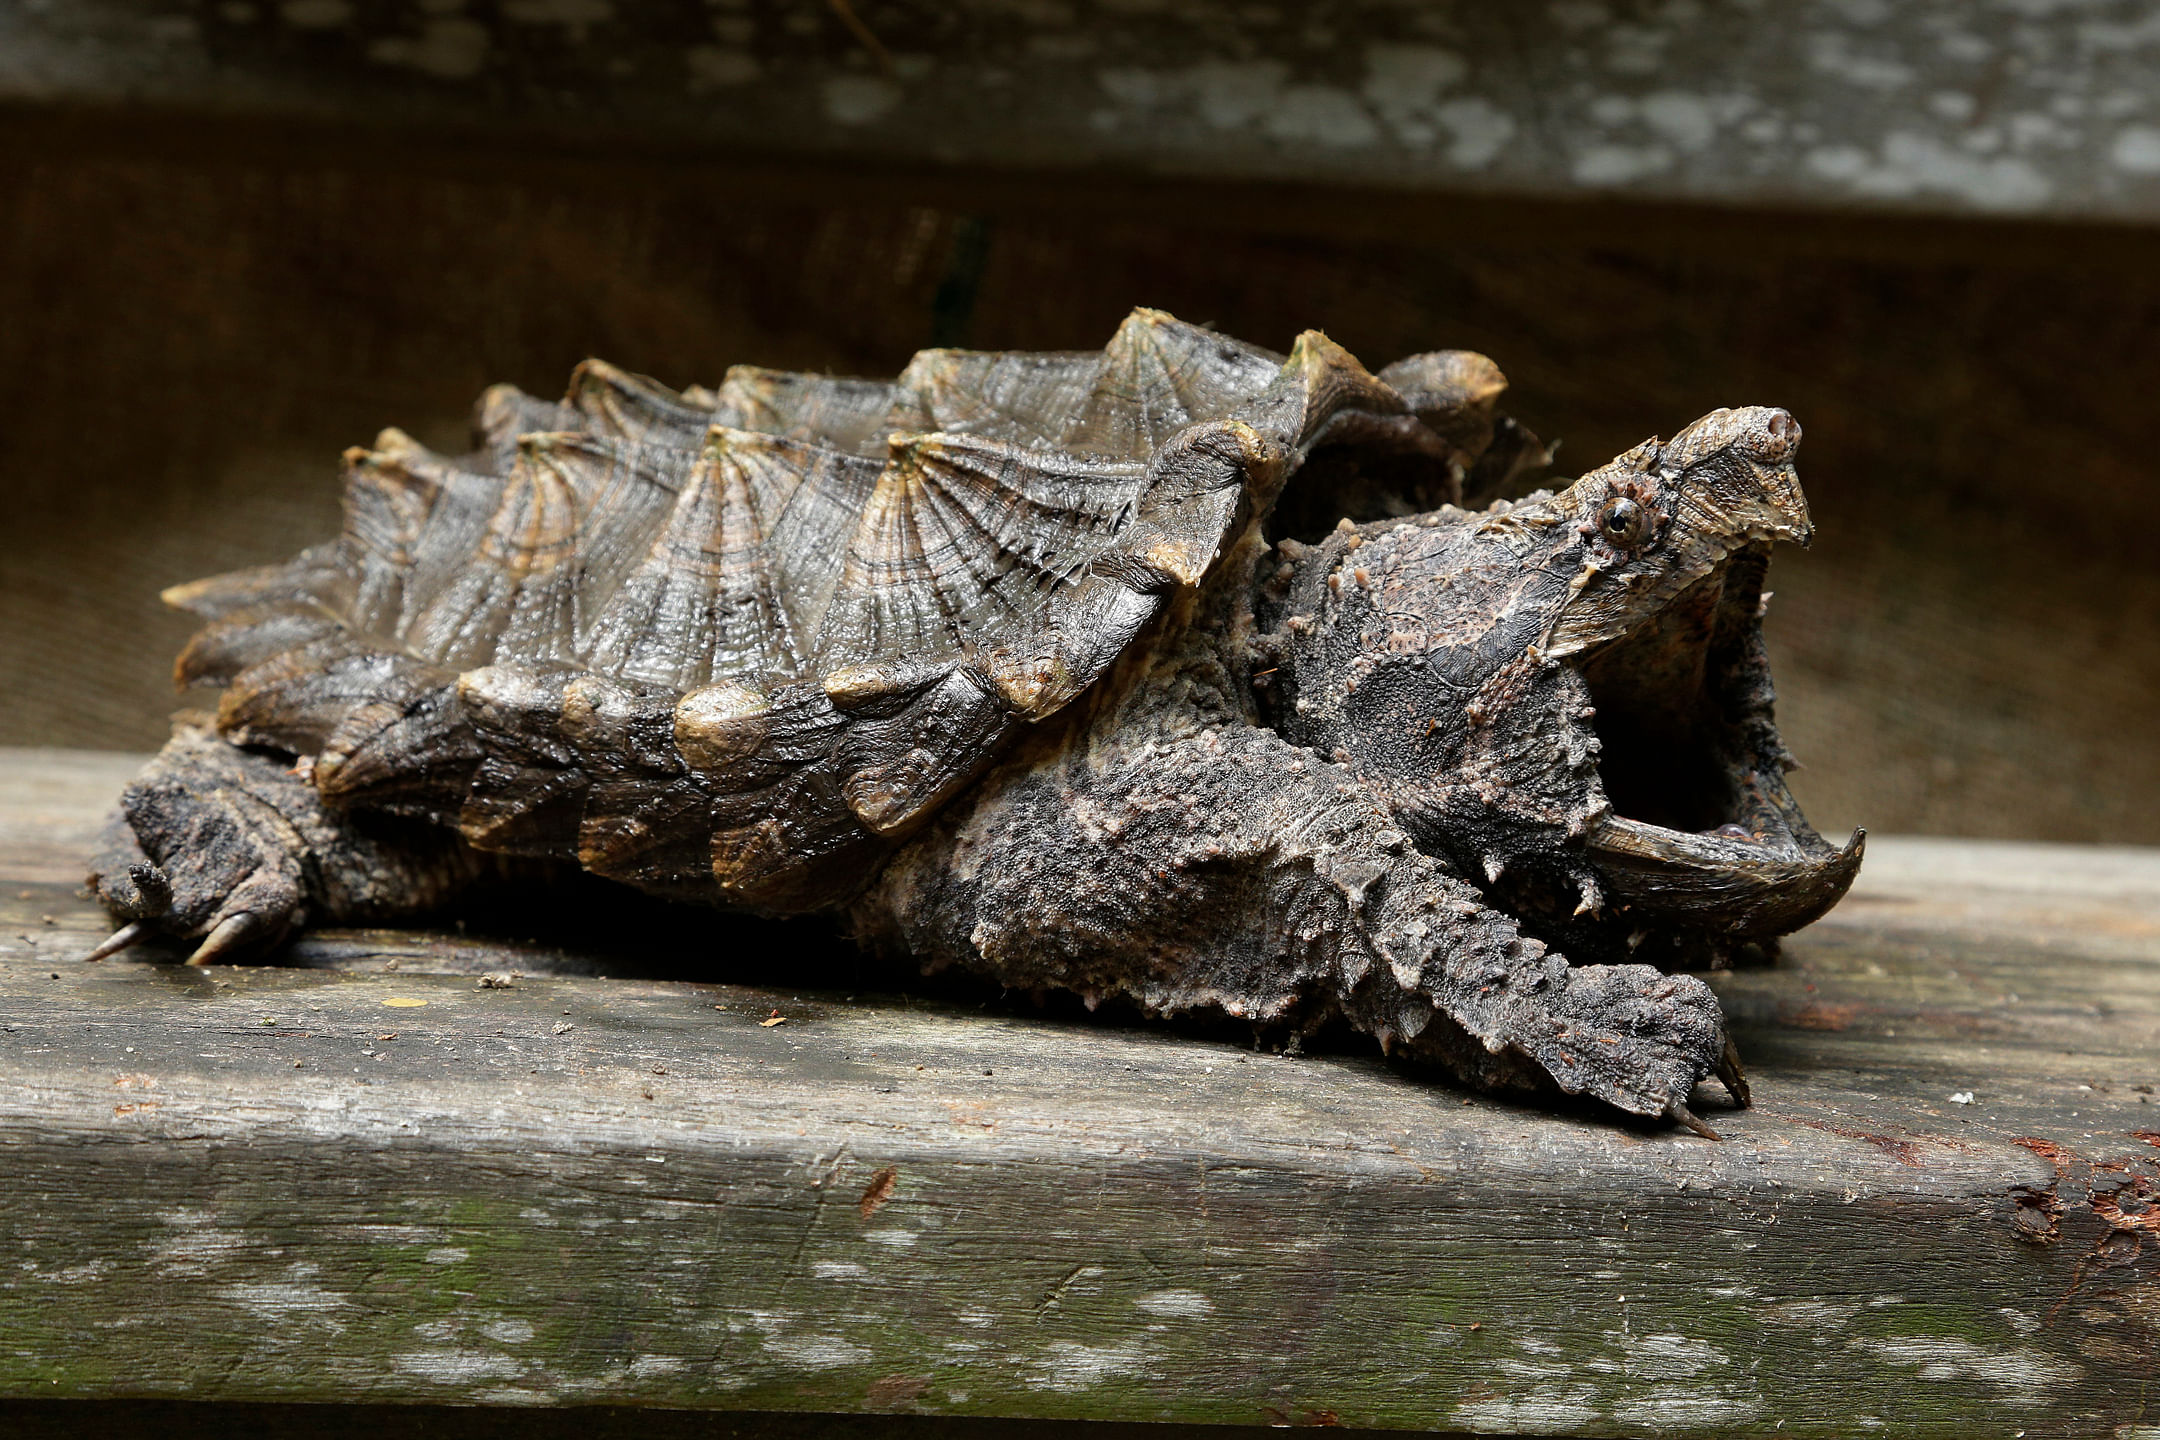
[[1634, 892], [1710, 758], [1740, 890]]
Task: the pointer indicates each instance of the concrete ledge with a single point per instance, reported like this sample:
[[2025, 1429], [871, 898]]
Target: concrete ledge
[[1931, 107]]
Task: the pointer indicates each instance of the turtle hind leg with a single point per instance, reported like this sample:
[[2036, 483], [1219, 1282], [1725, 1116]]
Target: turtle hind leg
[[234, 850]]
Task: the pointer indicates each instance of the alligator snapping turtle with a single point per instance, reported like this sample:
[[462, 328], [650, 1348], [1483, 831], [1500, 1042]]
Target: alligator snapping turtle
[[1000, 659]]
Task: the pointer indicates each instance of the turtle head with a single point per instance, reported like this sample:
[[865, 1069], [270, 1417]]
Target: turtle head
[[1567, 696]]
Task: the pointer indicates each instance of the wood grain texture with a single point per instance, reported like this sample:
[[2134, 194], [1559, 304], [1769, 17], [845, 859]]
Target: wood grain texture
[[297, 1183]]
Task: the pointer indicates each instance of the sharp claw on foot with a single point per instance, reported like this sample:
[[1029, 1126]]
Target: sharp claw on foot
[[1732, 1077], [119, 940], [232, 933], [1681, 1114]]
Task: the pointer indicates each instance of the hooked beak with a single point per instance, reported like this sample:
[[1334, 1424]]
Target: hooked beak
[[1702, 835]]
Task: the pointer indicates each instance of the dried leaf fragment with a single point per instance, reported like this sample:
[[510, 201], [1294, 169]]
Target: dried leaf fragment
[[878, 1191]]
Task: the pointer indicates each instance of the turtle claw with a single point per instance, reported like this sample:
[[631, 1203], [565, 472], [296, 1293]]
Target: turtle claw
[[1680, 1114], [126, 935], [1732, 1077], [235, 935]]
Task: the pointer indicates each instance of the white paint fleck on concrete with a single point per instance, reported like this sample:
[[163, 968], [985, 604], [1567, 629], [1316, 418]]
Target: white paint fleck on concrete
[[1670, 1356], [448, 1255], [1240, 95], [2136, 149], [860, 99], [1910, 164], [1480, 131], [837, 1270], [513, 1395], [1181, 1304], [1230, 95], [2115, 36], [451, 1366], [1068, 1367], [82, 1274], [1406, 84], [2016, 1372], [1675, 1407], [651, 1367], [2024, 1322], [896, 1238], [1814, 1314], [816, 1352], [508, 1332], [1320, 115], [295, 1299], [196, 1245], [1844, 163], [1545, 1409], [1688, 121], [1618, 164]]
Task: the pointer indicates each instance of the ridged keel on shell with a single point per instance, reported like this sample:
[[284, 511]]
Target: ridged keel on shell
[[742, 638]]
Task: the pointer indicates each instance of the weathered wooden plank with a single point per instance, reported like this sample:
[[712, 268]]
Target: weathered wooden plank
[[2033, 109], [298, 1184]]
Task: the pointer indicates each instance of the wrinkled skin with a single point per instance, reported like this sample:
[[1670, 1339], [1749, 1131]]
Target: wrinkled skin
[[1383, 849], [1403, 776]]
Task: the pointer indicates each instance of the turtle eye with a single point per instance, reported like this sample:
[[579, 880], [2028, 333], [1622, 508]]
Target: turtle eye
[[1623, 522]]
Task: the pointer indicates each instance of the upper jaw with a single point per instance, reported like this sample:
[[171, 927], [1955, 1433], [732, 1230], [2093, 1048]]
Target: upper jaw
[[1723, 484], [1700, 833]]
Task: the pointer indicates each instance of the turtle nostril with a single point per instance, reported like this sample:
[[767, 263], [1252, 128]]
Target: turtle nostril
[[1775, 438]]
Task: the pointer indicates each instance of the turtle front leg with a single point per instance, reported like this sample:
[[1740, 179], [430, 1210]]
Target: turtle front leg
[[1232, 871], [234, 849]]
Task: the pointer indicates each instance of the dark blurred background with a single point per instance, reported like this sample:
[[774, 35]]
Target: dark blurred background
[[233, 246]]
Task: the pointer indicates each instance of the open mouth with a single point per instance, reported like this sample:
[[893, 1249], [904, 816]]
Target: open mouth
[[1703, 836]]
